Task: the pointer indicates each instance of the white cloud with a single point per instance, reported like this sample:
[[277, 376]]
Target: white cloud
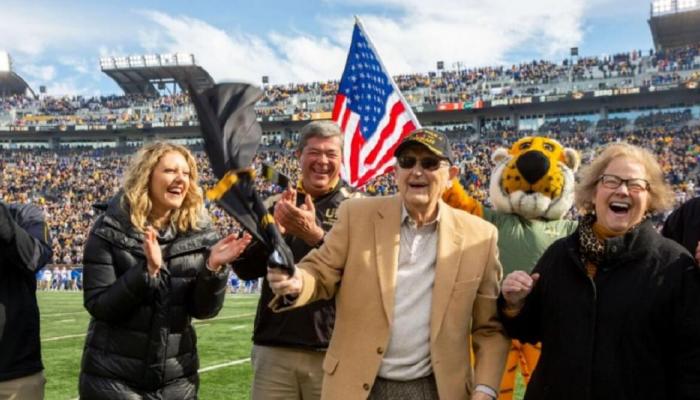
[[33, 30], [473, 32], [79, 64], [420, 32], [237, 56], [69, 87], [410, 35], [39, 72]]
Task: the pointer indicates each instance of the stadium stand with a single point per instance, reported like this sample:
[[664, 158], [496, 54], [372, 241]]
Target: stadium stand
[[67, 153], [67, 182]]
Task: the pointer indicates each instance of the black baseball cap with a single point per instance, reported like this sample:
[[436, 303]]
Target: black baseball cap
[[436, 142]]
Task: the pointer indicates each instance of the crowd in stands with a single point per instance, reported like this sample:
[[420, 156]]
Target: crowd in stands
[[464, 84], [663, 119], [611, 124], [558, 127], [66, 184]]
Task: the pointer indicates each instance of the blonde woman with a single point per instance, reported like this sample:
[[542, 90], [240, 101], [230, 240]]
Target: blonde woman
[[151, 263]]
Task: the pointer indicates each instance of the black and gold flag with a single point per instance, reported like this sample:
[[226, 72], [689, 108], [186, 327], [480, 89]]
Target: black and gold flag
[[232, 134]]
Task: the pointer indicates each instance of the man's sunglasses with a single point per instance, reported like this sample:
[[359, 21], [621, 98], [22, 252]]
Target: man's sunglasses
[[427, 163]]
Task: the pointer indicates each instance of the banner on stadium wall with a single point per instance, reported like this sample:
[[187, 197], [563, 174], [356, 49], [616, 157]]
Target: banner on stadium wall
[[520, 100], [277, 118], [557, 97], [616, 92], [449, 106], [661, 88], [456, 106], [306, 116], [322, 115], [301, 116]]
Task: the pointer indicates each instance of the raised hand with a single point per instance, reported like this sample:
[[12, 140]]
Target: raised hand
[[227, 250], [289, 196], [517, 286], [151, 248], [298, 221]]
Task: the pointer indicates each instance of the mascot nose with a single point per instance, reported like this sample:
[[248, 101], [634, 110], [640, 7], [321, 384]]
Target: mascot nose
[[532, 165]]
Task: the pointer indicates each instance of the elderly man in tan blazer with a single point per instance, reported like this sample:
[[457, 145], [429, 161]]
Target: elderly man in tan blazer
[[415, 283]]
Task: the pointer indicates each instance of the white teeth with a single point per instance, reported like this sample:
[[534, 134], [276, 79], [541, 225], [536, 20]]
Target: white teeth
[[620, 205]]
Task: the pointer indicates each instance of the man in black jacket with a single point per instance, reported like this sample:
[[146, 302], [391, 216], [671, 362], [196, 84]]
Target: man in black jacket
[[683, 226], [24, 249], [289, 347]]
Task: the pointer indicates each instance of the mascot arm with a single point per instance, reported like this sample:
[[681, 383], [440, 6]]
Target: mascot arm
[[458, 198]]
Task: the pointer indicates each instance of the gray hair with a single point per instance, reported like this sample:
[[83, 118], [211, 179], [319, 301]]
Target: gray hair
[[661, 195], [321, 129]]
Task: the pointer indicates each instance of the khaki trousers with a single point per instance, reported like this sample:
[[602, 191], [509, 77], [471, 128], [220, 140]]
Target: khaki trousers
[[283, 373], [25, 388]]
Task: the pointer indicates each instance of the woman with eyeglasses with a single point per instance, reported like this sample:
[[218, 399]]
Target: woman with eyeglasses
[[615, 305]]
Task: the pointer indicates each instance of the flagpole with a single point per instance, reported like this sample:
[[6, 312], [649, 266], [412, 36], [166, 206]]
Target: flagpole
[[386, 71]]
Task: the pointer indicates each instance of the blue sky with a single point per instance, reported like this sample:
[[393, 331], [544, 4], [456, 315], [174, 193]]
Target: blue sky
[[59, 44]]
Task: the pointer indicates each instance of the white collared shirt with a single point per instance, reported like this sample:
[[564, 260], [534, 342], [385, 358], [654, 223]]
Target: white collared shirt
[[407, 356]]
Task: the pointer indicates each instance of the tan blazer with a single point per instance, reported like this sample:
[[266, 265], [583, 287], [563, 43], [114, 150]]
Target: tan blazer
[[358, 263]]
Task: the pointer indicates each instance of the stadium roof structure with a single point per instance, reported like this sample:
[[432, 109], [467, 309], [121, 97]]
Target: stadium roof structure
[[148, 74], [675, 23], [13, 84], [10, 82]]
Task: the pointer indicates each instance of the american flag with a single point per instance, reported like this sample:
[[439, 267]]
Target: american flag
[[371, 112]]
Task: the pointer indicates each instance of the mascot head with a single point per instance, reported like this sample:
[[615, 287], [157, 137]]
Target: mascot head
[[534, 178]]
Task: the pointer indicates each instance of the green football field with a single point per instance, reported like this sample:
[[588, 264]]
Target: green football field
[[223, 342]]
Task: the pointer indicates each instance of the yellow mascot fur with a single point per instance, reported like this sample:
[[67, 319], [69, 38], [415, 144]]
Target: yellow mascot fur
[[531, 189]]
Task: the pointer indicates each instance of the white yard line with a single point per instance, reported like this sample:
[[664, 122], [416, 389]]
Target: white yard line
[[51, 339], [224, 365], [238, 327], [63, 314], [199, 323]]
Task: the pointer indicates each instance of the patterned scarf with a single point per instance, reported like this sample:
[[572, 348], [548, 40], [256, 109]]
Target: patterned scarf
[[591, 247]]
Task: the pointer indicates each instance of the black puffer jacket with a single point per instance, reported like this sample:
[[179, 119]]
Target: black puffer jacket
[[24, 248], [140, 342], [630, 333]]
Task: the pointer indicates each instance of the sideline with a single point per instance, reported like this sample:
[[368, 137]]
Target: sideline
[[197, 322], [224, 365]]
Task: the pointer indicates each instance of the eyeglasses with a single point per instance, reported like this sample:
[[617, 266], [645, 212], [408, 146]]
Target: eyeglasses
[[633, 184], [427, 163]]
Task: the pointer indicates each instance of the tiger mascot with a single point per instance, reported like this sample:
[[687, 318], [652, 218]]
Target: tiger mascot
[[531, 189]]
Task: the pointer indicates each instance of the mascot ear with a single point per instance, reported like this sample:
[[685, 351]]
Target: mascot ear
[[499, 155], [573, 159]]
